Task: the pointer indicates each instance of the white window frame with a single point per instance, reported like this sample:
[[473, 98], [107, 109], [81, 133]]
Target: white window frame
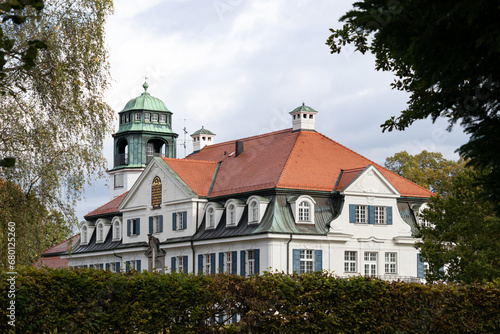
[[304, 211], [380, 215], [228, 262], [163, 118], [207, 264], [391, 263], [179, 223], [250, 262], [211, 218], [179, 260], [112, 267], [350, 261], [254, 209], [306, 261], [147, 117], [156, 224], [137, 117], [370, 264], [361, 214], [231, 212], [85, 235], [118, 180], [117, 230], [100, 233], [133, 230], [154, 117]]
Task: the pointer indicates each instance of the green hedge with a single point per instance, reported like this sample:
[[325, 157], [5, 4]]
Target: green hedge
[[93, 301]]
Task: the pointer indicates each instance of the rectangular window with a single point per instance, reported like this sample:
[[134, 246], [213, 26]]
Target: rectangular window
[[155, 117], [306, 261], [228, 262], [251, 262], [137, 117], [370, 264], [380, 215], [361, 214], [112, 267], [163, 118], [180, 224], [180, 264], [390, 263], [118, 180], [350, 262], [207, 264], [147, 117], [156, 224], [134, 227]]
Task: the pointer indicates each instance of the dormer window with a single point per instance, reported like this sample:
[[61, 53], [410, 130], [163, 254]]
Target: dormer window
[[211, 217], [100, 232], [304, 212], [137, 117], [117, 230], [147, 117], [155, 117], [163, 118], [254, 209], [232, 215], [84, 234]]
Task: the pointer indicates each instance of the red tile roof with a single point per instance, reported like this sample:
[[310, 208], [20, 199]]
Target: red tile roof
[[291, 160], [198, 175], [51, 258], [108, 208]]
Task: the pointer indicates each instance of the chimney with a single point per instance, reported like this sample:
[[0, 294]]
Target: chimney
[[239, 148]]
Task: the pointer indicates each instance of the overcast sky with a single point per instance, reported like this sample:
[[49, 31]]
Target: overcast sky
[[238, 67]]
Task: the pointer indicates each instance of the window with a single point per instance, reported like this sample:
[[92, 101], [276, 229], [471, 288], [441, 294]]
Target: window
[[155, 117], [228, 262], [150, 149], [156, 224], [250, 262], [163, 118], [100, 232], [128, 118], [232, 215], [306, 261], [117, 230], [179, 260], [390, 263], [123, 119], [207, 263], [133, 227], [254, 209], [211, 218], [84, 234], [380, 215], [304, 212], [361, 214], [350, 261], [112, 267], [133, 265], [137, 117], [370, 264], [118, 180], [179, 220]]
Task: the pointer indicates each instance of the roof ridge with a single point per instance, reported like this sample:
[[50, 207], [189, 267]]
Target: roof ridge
[[188, 160], [376, 164], [125, 193], [247, 138], [67, 240], [288, 159]]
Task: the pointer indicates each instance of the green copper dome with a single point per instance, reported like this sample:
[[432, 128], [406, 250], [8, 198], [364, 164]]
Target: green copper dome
[[203, 131], [145, 102], [303, 107]]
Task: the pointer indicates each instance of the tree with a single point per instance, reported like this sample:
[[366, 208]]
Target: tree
[[54, 119], [463, 235], [445, 54], [427, 169]]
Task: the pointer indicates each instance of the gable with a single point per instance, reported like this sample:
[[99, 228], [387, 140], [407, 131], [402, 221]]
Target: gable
[[367, 182]]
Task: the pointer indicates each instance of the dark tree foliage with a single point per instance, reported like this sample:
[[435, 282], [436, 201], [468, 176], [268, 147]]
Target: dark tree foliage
[[445, 54]]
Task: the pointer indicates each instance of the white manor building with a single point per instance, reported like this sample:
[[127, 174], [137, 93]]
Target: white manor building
[[291, 200]]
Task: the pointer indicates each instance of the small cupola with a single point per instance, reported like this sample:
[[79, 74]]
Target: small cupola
[[202, 138], [303, 118]]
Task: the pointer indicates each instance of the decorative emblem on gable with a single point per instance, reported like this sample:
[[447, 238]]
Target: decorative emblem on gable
[[156, 193]]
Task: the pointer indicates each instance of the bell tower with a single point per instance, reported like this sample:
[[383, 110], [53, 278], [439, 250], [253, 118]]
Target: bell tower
[[144, 132]]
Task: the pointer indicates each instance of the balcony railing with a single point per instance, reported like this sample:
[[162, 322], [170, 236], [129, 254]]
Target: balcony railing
[[121, 159]]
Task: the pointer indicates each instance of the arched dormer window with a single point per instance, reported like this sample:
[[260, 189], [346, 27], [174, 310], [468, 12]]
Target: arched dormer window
[[304, 212], [84, 235], [117, 230], [231, 211], [256, 207], [100, 232], [211, 217], [254, 211]]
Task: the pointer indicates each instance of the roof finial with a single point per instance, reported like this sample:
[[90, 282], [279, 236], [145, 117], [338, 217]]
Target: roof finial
[[145, 85], [303, 104]]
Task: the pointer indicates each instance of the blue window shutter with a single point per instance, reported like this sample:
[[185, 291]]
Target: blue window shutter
[[296, 260], [212, 263], [174, 218], [150, 225], [235, 263], [138, 263], [200, 264], [127, 266], [128, 227], [242, 263], [318, 260], [161, 223], [352, 213], [184, 220], [101, 266], [185, 263], [117, 264], [107, 266], [257, 261], [172, 266], [389, 215], [221, 263], [138, 228], [371, 214], [420, 267]]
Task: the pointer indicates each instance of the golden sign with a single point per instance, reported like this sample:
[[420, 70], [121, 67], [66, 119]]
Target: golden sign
[[156, 193]]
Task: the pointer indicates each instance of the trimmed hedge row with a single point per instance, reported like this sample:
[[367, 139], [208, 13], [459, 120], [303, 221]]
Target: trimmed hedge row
[[93, 301]]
